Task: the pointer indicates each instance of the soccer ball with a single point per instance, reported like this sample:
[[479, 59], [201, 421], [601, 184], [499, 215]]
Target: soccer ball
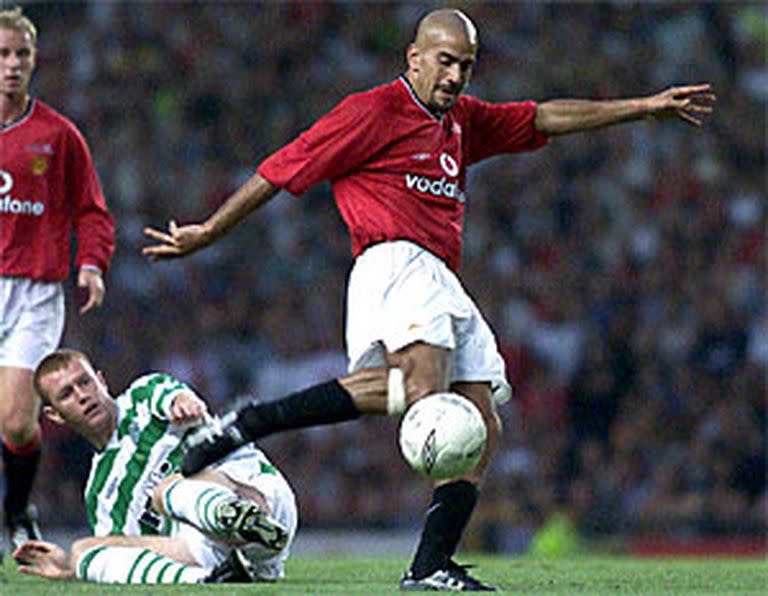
[[442, 436]]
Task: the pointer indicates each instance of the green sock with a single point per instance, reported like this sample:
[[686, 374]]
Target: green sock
[[195, 502]]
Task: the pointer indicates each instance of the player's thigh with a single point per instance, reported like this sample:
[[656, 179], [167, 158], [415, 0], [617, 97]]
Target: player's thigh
[[245, 491], [480, 394], [399, 297], [32, 322], [476, 358], [211, 475], [478, 372], [426, 368], [19, 404]]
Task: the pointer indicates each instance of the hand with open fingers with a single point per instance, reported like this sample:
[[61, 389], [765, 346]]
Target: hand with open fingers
[[187, 409], [93, 282], [177, 242], [689, 103], [45, 559]]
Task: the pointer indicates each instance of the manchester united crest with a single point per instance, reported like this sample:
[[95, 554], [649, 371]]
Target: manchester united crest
[[38, 164]]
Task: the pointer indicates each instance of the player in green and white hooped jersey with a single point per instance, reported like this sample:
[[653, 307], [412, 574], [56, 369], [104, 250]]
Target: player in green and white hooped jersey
[[150, 524]]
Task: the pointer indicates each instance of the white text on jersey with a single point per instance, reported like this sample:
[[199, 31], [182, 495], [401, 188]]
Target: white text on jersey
[[9, 204], [439, 188]]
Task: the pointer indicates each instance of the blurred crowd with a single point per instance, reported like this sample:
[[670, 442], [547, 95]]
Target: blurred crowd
[[623, 270]]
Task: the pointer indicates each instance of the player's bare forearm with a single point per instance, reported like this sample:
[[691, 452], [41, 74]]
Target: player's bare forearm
[[180, 241], [562, 116], [250, 196]]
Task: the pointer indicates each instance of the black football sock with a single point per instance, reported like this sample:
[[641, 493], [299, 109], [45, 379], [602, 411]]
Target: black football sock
[[447, 516], [20, 465], [326, 403]]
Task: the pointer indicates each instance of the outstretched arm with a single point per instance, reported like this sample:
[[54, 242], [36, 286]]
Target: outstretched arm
[[563, 116], [180, 241]]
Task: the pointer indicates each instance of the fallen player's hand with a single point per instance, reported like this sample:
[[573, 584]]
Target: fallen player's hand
[[177, 242], [45, 559], [211, 442], [187, 409]]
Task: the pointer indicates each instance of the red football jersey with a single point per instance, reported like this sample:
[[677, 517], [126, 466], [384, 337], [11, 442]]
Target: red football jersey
[[399, 172], [48, 187]]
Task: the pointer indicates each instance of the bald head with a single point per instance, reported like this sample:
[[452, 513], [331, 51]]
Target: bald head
[[441, 58], [445, 23]]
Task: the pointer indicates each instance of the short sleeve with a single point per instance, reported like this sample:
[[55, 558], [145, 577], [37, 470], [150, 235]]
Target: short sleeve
[[501, 128], [335, 145]]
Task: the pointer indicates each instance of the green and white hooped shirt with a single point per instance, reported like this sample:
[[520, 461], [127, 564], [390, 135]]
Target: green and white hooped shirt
[[144, 449]]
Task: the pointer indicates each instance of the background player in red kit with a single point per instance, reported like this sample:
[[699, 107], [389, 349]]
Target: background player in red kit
[[397, 158], [48, 185]]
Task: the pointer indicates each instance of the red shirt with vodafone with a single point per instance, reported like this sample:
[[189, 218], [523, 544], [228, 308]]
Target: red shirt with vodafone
[[48, 187], [398, 172]]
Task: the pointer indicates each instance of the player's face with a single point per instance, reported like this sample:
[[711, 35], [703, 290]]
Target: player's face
[[17, 61], [440, 71], [78, 396]]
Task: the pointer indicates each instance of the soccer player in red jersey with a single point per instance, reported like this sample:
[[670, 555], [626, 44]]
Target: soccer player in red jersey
[[397, 158], [48, 186]]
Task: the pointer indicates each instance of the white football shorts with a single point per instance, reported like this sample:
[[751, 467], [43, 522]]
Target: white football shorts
[[249, 466], [400, 293], [31, 320]]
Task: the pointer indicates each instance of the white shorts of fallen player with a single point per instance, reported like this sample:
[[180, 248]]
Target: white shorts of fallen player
[[399, 294], [249, 466], [31, 320]]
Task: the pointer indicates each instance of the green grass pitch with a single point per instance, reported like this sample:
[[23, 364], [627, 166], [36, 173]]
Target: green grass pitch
[[373, 576]]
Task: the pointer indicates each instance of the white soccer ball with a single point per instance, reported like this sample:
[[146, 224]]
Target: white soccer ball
[[442, 436]]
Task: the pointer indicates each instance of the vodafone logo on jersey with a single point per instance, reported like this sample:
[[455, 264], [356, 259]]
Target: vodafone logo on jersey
[[447, 186], [12, 205], [449, 165], [6, 182]]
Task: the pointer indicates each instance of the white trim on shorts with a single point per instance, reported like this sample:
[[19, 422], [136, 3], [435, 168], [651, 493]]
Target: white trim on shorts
[[400, 293]]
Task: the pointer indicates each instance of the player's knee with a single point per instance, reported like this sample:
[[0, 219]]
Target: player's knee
[[81, 546], [426, 369], [416, 389], [158, 494], [495, 430], [20, 430]]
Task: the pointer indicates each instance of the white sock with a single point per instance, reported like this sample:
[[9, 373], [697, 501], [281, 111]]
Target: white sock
[[134, 565], [195, 502]]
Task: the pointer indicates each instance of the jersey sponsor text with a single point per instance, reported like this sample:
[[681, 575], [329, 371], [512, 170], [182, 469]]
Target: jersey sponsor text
[[441, 187], [10, 204]]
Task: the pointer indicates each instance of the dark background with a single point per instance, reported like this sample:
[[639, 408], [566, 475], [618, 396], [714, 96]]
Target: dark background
[[623, 271]]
